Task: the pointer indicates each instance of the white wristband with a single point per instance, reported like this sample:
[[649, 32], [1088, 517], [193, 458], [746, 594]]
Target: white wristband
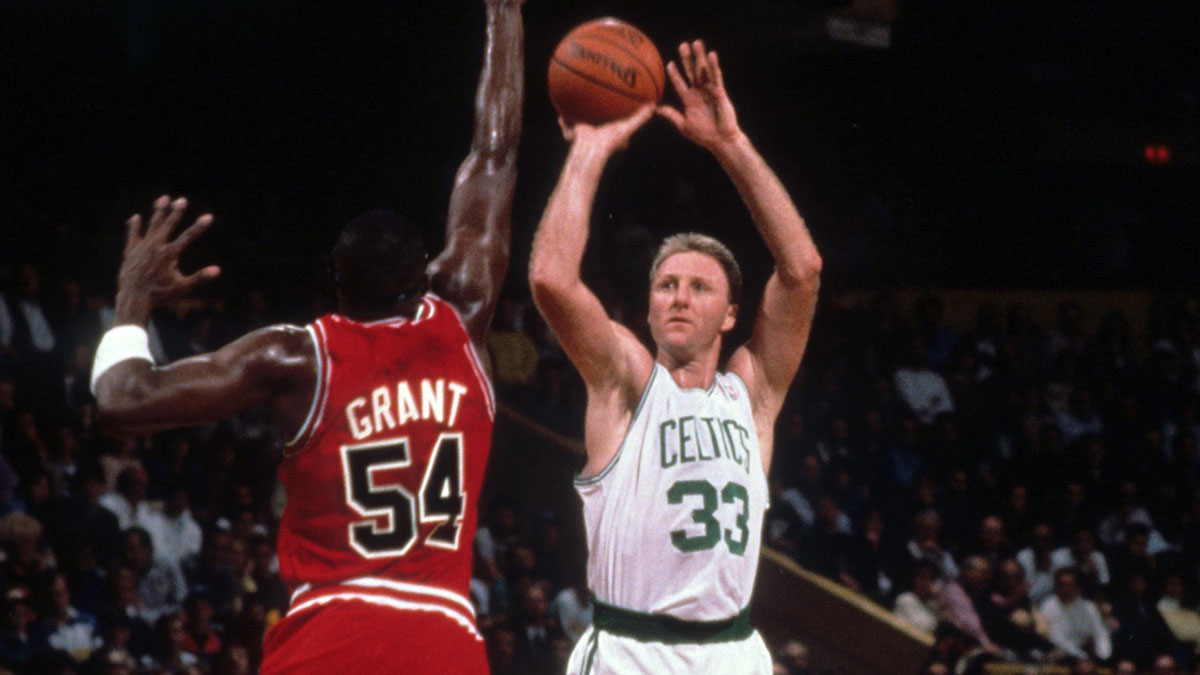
[[120, 344]]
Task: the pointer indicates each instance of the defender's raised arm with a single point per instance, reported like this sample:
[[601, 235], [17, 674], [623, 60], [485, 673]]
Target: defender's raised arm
[[470, 270], [133, 396]]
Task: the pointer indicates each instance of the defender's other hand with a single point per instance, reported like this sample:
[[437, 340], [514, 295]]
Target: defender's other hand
[[708, 118], [149, 274], [610, 136]]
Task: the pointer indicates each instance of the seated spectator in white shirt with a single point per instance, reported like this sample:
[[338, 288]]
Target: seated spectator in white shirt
[[920, 607], [1183, 621], [128, 502], [1039, 567], [921, 388], [927, 528], [1090, 565], [65, 628], [1074, 622], [176, 534]]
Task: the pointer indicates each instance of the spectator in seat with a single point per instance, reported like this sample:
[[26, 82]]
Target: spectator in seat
[[1133, 556], [167, 651], [921, 607], [1014, 623], [1074, 623], [199, 637], [992, 542], [536, 631], [1183, 621], [128, 501], [923, 390], [1090, 565], [16, 617], [25, 565], [1141, 631], [176, 535], [160, 585], [1079, 419], [65, 628], [1165, 665], [1036, 560], [925, 543], [966, 604]]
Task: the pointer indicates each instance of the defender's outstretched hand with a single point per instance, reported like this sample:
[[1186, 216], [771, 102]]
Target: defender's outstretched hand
[[149, 274], [708, 118], [610, 136]]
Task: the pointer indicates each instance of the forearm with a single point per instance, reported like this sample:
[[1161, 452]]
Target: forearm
[[773, 211], [562, 233], [499, 98]]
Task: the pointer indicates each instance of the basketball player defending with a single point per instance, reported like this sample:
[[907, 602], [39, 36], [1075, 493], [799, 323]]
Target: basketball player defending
[[387, 405], [674, 487]]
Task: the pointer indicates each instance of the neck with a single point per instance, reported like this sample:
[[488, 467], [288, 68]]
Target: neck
[[363, 312], [693, 371]]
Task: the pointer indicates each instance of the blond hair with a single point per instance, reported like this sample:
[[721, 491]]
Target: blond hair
[[17, 527], [702, 243]]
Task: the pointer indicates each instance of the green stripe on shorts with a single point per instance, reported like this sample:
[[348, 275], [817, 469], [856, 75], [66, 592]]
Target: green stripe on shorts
[[668, 629]]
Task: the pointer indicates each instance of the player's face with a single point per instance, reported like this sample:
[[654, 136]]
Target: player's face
[[689, 303]]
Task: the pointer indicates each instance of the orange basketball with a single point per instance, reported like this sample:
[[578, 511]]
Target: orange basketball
[[604, 70]]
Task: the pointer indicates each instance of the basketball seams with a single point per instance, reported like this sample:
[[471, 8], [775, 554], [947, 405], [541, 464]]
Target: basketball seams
[[649, 71], [594, 80]]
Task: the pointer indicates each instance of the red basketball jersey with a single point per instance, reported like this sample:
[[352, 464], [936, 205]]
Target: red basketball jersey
[[383, 477]]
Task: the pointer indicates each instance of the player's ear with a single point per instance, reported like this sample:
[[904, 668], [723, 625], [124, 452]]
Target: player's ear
[[730, 319]]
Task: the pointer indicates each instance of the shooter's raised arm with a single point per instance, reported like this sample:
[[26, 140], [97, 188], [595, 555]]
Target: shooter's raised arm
[[470, 270], [769, 361], [596, 345]]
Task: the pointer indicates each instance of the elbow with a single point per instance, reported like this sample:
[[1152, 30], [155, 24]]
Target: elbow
[[546, 285], [803, 273], [487, 163], [542, 284], [117, 413]]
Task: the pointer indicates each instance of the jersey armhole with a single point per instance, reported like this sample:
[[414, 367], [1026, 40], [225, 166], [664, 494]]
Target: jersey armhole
[[317, 407], [750, 411], [473, 357], [580, 479]]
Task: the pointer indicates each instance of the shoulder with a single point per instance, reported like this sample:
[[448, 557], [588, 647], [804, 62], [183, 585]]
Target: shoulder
[[280, 342]]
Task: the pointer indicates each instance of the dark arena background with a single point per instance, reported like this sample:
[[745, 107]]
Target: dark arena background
[[1001, 383]]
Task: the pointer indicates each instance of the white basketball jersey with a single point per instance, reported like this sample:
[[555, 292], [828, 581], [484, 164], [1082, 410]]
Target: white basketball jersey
[[674, 522]]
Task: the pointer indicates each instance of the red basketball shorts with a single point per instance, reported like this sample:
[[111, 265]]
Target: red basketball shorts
[[358, 638]]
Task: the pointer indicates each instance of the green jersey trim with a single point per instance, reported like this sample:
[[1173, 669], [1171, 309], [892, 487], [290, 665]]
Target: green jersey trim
[[668, 629], [592, 480]]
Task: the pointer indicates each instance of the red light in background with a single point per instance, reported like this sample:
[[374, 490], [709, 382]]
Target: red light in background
[[1157, 154]]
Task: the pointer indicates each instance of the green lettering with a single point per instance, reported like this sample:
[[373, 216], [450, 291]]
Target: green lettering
[[700, 444], [684, 437], [662, 445], [725, 424]]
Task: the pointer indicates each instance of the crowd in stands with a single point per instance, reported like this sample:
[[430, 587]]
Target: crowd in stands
[[1026, 493]]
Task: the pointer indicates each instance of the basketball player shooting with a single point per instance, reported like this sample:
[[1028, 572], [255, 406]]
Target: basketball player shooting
[[387, 404], [674, 487]]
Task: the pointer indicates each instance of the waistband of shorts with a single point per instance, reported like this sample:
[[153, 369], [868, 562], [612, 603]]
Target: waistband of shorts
[[669, 629]]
